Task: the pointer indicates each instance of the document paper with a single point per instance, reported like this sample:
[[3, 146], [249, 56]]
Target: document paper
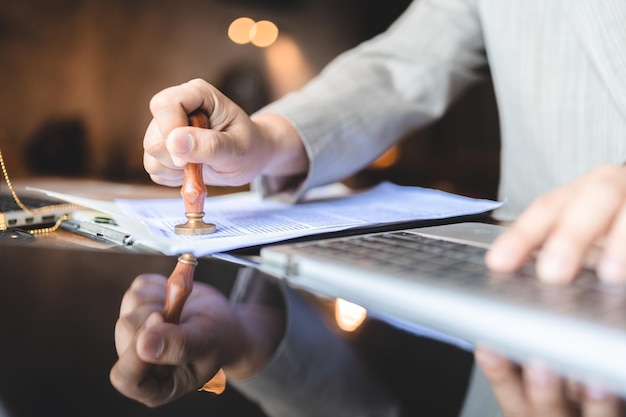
[[246, 219]]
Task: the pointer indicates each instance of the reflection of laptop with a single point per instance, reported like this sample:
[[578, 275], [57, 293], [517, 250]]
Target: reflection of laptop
[[42, 211], [436, 277]]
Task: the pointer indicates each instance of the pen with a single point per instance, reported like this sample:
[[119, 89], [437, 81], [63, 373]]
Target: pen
[[99, 230]]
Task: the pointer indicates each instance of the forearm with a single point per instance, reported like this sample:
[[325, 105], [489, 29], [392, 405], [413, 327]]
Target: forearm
[[370, 97], [289, 156]]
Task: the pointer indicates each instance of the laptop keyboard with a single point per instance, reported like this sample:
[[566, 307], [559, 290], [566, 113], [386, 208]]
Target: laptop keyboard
[[444, 263], [405, 252]]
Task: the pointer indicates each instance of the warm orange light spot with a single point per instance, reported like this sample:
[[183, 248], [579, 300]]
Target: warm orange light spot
[[239, 30], [349, 316], [245, 30], [263, 33], [387, 159], [287, 67]]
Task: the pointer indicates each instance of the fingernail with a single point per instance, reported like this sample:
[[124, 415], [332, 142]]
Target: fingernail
[[596, 393], [612, 270], [499, 256], [181, 143], [539, 376], [488, 359], [553, 268], [153, 345]]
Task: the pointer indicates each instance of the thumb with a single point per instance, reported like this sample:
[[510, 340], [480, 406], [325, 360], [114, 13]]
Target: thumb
[[208, 146], [181, 145], [150, 341], [228, 157], [170, 344]]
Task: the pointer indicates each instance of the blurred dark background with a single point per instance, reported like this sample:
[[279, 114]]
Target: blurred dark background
[[77, 75]]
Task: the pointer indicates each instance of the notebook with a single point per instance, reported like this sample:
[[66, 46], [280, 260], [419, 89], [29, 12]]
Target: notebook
[[44, 211], [436, 277]]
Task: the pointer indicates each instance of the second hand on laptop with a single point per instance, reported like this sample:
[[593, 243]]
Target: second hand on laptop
[[180, 282]]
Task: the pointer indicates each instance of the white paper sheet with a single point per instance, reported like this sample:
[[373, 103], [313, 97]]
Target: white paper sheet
[[245, 219]]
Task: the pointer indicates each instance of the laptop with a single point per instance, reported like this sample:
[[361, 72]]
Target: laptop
[[42, 211], [436, 277]]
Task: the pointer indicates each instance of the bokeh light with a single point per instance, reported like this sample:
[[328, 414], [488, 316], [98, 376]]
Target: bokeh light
[[264, 33], [387, 159], [245, 30], [240, 29], [349, 316]]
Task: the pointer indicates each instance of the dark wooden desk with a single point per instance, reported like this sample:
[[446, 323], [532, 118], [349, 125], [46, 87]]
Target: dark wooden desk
[[59, 300]]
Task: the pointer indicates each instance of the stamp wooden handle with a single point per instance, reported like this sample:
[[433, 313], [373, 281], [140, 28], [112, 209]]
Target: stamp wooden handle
[[179, 286], [193, 189]]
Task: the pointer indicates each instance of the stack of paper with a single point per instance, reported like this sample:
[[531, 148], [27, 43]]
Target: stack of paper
[[245, 219]]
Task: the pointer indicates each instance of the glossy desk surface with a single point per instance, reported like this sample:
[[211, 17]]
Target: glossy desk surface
[[58, 307], [59, 299]]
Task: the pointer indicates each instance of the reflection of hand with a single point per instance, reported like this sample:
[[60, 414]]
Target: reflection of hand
[[208, 336], [233, 151], [536, 392], [565, 224], [212, 334]]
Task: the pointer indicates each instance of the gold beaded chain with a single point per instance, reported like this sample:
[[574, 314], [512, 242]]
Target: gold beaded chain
[[54, 207]]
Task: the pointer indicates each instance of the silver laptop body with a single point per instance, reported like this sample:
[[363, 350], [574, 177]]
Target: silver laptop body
[[578, 330]]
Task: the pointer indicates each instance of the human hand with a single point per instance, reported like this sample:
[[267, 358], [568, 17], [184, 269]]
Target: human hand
[[212, 334], [565, 224], [235, 149], [533, 391]]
